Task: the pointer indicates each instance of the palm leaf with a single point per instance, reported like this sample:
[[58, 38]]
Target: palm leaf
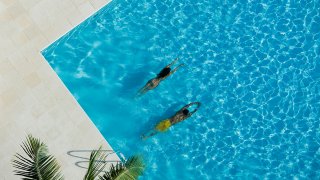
[[114, 172], [96, 164], [38, 165], [129, 170]]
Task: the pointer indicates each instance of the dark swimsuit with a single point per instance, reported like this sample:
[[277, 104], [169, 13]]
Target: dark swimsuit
[[164, 72]]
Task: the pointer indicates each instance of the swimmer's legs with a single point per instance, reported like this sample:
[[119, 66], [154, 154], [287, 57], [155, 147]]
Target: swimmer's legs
[[149, 134]]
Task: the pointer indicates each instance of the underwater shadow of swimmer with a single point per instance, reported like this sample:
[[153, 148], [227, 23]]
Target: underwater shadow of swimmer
[[153, 120], [133, 81]]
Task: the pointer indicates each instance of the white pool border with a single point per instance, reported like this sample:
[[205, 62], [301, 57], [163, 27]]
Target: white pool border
[[32, 97]]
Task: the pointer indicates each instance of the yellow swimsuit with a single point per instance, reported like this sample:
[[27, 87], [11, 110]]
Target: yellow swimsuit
[[163, 125]]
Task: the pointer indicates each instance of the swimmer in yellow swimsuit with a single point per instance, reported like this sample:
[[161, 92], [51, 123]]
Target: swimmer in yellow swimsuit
[[154, 82], [181, 115]]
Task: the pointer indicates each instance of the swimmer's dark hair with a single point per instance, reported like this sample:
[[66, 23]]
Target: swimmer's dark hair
[[164, 72], [185, 111]]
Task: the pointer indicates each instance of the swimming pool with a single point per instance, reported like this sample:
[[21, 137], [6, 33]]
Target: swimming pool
[[254, 66]]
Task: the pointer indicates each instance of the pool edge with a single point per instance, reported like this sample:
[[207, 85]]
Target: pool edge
[[32, 93]]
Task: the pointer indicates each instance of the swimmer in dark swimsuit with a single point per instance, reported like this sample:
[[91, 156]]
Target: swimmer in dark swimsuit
[[181, 115], [164, 73]]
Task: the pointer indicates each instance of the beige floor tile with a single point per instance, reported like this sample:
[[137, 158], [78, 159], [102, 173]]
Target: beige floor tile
[[19, 39], [10, 96], [5, 17], [40, 42], [39, 16], [32, 31], [57, 30], [23, 21], [79, 2], [28, 98], [97, 4], [32, 80], [5, 67], [64, 5], [16, 9], [8, 28], [2, 106], [5, 41], [15, 58], [37, 60], [86, 8], [2, 6], [75, 17], [27, 4], [7, 3], [37, 110]]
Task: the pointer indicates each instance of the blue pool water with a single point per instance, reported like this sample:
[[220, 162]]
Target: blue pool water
[[254, 66]]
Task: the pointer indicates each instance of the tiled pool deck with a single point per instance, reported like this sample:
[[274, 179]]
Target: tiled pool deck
[[32, 97]]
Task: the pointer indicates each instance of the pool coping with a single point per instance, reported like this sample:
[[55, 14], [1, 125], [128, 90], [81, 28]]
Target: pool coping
[[32, 97]]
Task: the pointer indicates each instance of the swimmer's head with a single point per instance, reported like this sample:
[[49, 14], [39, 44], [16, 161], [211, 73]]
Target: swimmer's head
[[185, 111]]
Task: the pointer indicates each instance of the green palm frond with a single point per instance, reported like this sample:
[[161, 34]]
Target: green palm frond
[[38, 165], [114, 172], [96, 164], [129, 170]]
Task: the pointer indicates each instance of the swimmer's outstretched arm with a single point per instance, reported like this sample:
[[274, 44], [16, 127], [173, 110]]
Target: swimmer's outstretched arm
[[172, 63], [175, 69], [188, 105]]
